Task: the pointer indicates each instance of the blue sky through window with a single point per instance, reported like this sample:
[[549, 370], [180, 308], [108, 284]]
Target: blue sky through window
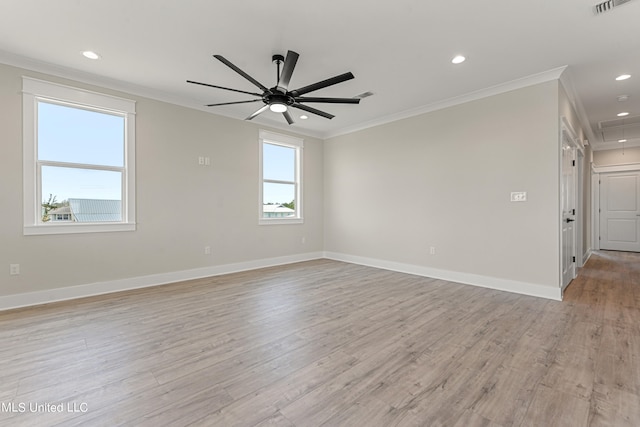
[[76, 135], [278, 164]]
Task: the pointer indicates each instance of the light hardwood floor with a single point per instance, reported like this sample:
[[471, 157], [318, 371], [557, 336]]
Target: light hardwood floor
[[330, 343]]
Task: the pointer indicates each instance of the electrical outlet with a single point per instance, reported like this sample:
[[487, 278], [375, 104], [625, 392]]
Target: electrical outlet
[[14, 269], [303, 240], [207, 161], [201, 160], [432, 250], [207, 250]]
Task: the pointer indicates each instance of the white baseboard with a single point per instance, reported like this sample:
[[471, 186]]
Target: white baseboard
[[531, 289], [80, 291], [99, 288]]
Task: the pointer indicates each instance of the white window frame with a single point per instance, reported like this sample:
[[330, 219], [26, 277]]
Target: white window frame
[[33, 91], [289, 142]]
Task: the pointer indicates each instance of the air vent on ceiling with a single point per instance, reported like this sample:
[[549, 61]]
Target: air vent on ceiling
[[616, 129], [607, 5]]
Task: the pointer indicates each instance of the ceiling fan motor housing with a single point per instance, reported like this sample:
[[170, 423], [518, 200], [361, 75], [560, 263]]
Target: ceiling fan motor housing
[[277, 97]]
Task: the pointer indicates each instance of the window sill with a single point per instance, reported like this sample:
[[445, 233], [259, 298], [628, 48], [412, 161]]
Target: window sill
[[275, 221], [34, 230]]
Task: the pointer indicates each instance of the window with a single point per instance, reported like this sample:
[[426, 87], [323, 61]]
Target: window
[[280, 179], [79, 160]]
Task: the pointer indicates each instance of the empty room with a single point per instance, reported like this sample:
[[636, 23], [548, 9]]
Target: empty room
[[276, 213]]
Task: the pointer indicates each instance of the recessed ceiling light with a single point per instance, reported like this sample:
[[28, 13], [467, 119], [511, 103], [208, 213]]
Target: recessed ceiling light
[[90, 54], [624, 113], [623, 77], [622, 140], [623, 98], [458, 59], [304, 117]]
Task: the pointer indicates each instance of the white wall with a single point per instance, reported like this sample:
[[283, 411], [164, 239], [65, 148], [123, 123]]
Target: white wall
[[616, 157], [181, 207], [443, 179], [384, 195]]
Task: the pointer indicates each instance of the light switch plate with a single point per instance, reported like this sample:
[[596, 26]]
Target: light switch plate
[[519, 196]]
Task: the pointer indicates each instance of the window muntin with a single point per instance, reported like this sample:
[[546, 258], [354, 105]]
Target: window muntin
[[79, 147], [280, 186]]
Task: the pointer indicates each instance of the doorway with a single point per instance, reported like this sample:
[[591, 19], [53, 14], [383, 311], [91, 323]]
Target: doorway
[[619, 209], [568, 206]]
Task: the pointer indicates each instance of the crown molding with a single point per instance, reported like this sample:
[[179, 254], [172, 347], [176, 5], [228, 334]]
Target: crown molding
[[128, 88], [545, 76]]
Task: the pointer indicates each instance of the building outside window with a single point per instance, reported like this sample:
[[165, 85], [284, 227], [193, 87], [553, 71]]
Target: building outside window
[[280, 179], [79, 160]]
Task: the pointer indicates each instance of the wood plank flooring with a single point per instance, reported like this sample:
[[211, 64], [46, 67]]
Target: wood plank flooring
[[325, 343]]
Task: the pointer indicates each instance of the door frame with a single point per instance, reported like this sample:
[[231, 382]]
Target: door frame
[[566, 130], [595, 196]]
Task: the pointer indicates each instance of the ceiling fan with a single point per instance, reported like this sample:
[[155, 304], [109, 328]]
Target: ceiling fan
[[279, 98]]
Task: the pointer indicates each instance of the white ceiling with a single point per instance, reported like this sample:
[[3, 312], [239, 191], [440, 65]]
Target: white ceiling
[[398, 50]]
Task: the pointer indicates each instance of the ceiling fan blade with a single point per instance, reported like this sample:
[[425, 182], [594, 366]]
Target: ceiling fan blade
[[287, 116], [239, 71], [263, 108], [287, 70], [329, 82], [328, 100], [230, 103], [312, 110], [225, 88]]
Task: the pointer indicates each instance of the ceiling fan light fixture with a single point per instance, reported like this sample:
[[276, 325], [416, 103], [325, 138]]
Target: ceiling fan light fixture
[[277, 107]]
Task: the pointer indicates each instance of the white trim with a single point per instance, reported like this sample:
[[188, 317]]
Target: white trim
[[279, 138], [595, 195], [66, 94], [268, 137], [531, 289], [615, 145], [628, 167], [580, 214], [567, 129], [572, 134], [566, 81], [545, 76], [280, 221], [99, 288], [595, 210], [133, 89], [35, 90], [74, 228], [9, 302]]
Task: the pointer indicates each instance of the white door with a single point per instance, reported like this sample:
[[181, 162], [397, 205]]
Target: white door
[[568, 216], [620, 211]]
